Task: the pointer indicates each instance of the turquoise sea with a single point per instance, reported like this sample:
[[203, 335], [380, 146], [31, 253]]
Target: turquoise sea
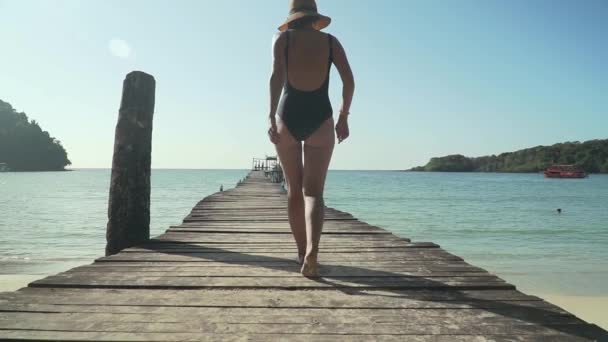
[[506, 223]]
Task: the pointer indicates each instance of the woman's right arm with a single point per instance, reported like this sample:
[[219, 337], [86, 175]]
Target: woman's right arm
[[348, 89], [277, 79]]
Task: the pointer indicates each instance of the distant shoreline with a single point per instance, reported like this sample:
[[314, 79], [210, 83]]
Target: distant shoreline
[[505, 172], [590, 156]]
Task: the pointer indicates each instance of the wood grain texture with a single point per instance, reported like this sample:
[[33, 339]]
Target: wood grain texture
[[129, 202]]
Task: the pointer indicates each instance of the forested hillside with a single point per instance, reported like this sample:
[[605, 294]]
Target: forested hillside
[[24, 146], [591, 155]]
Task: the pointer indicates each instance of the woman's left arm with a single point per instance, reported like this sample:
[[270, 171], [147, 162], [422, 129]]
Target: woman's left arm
[[348, 89], [277, 79]]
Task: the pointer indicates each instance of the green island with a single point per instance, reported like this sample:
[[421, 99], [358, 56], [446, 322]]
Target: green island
[[24, 146], [591, 155]]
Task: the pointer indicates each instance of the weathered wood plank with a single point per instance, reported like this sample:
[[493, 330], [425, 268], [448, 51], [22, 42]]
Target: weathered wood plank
[[269, 298], [336, 248], [279, 244], [76, 314], [286, 267], [263, 237], [267, 231], [265, 272], [297, 329], [33, 335], [276, 257], [128, 281]]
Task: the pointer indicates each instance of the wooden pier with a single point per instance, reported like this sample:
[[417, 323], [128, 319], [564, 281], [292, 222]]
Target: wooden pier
[[229, 273]]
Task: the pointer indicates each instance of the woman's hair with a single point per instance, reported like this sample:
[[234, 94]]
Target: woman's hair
[[302, 22]]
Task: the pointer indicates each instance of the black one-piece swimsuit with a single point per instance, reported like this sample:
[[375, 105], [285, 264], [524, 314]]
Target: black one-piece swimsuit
[[303, 112]]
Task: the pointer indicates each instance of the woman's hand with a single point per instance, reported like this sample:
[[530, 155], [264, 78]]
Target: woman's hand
[[342, 131], [273, 132]]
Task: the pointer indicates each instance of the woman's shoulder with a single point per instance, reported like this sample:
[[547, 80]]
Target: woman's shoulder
[[333, 36], [279, 34], [279, 38]]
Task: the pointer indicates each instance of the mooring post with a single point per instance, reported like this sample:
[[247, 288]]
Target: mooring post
[[129, 204]]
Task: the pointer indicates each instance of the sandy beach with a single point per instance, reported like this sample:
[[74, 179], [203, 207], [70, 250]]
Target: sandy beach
[[588, 308], [13, 282]]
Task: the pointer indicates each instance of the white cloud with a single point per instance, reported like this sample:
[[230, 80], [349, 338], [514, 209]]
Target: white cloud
[[119, 48]]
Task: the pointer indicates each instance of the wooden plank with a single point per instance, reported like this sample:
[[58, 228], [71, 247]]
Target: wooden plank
[[333, 225], [135, 281], [140, 314], [276, 315], [344, 248], [363, 298], [234, 239], [248, 219], [328, 255], [264, 272], [292, 266], [401, 243], [256, 213], [403, 329], [235, 257], [34, 335], [266, 231], [258, 237], [266, 260], [267, 249]]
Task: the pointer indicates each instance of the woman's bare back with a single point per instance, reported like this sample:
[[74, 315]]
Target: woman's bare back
[[308, 58]]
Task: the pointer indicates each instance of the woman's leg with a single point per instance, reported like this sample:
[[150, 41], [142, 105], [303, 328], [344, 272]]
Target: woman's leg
[[318, 149], [290, 155]]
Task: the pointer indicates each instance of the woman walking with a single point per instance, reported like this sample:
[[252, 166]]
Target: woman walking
[[303, 133]]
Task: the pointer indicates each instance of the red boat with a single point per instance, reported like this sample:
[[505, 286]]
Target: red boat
[[565, 171]]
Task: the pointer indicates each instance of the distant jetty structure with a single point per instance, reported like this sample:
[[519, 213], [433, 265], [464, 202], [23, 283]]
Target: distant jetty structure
[[228, 272], [271, 166]]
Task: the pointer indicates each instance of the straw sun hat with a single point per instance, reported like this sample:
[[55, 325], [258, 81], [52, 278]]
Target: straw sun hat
[[305, 8]]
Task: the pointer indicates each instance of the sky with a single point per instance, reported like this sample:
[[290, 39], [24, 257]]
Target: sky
[[433, 78]]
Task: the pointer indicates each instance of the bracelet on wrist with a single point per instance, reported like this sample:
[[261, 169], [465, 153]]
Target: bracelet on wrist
[[343, 113]]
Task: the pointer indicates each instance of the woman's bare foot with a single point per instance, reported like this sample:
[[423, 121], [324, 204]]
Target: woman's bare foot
[[310, 267], [300, 259]]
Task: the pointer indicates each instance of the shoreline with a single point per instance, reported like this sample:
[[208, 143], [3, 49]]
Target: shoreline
[[13, 282], [591, 309], [588, 308], [495, 172]]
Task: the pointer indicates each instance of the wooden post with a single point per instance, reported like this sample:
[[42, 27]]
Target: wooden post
[[129, 204]]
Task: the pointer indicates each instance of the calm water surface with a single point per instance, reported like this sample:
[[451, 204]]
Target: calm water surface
[[506, 223]]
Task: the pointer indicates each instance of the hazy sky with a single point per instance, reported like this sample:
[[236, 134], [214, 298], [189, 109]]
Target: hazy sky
[[433, 77]]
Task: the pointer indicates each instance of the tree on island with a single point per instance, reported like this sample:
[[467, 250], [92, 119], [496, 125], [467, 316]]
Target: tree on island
[[24, 146], [591, 155]]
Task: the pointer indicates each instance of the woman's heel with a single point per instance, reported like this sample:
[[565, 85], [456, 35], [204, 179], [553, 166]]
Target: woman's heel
[[310, 267]]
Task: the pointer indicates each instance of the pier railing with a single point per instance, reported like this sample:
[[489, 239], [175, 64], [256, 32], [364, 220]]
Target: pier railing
[[271, 167]]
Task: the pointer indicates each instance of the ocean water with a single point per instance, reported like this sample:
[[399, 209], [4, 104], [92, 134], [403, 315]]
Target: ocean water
[[506, 223]]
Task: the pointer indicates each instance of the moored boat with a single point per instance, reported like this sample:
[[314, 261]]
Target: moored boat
[[565, 171]]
